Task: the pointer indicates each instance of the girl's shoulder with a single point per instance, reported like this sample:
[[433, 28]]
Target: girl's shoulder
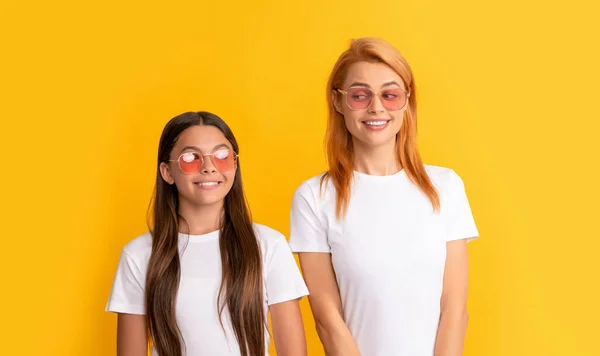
[[266, 235], [139, 249], [272, 242]]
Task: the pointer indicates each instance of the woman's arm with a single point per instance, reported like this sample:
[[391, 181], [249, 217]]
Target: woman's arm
[[288, 329], [132, 339], [453, 309], [326, 304]]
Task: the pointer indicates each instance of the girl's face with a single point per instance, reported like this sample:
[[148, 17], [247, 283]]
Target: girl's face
[[373, 103], [202, 165]]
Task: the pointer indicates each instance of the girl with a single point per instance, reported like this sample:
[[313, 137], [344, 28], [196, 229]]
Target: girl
[[382, 237], [202, 280]]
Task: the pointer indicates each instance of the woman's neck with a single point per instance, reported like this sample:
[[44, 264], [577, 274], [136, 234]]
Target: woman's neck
[[378, 161], [199, 219]]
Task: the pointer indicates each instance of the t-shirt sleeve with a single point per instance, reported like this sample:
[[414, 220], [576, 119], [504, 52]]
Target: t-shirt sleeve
[[283, 279], [127, 294], [460, 222], [307, 232]]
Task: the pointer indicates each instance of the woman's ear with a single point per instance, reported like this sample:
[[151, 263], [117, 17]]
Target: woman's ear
[[335, 101], [165, 172]]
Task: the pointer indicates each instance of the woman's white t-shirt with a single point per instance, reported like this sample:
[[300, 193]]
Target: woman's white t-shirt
[[196, 310], [388, 254]]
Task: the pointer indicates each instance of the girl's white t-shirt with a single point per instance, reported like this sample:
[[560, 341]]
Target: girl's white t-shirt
[[388, 254], [196, 310]]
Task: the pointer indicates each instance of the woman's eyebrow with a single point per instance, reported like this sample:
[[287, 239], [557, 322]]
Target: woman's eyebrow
[[393, 82], [359, 84]]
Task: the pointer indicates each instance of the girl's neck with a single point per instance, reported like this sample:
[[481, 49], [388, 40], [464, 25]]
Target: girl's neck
[[199, 219]]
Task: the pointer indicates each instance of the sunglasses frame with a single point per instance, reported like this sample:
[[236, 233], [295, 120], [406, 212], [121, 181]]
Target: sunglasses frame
[[378, 93], [235, 157]]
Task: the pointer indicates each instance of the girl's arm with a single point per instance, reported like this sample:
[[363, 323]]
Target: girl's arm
[[288, 329], [132, 339]]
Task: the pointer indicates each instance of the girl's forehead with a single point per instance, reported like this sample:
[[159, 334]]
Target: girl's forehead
[[203, 138]]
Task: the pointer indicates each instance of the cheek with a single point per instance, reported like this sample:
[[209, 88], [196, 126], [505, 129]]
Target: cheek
[[399, 120], [179, 177], [229, 178], [352, 120]]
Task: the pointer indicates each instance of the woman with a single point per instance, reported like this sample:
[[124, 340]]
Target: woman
[[382, 237], [203, 279]]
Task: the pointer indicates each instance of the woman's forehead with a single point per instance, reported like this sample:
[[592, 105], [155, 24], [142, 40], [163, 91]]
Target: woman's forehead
[[374, 75]]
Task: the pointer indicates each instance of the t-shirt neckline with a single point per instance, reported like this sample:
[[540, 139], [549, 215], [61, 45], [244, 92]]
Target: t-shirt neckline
[[376, 177], [211, 236]]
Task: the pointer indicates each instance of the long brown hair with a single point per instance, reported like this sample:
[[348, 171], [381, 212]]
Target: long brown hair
[[338, 141], [241, 288]]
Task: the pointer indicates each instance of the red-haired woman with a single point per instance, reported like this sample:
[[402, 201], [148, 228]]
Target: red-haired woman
[[382, 237]]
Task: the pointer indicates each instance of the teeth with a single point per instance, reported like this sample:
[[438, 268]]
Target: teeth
[[375, 123], [208, 184]]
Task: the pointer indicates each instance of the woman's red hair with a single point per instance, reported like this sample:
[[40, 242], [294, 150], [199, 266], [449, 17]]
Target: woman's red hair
[[338, 141]]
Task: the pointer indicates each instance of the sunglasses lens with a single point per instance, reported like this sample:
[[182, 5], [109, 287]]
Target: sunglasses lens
[[393, 99], [359, 98], [224, 160], [190, 162]]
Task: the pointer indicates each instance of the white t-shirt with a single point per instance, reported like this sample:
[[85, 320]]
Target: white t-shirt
[[388, 254], [196, 311]]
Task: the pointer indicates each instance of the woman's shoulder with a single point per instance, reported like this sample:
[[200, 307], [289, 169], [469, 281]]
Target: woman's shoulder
[[438, 172], [442, 174], [317, 188], [313, 183], [443, 178]]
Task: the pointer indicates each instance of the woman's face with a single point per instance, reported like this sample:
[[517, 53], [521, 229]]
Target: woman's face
[[374, 119], [202, 166]]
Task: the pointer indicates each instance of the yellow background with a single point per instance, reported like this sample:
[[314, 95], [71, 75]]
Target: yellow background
[[508, 97]]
